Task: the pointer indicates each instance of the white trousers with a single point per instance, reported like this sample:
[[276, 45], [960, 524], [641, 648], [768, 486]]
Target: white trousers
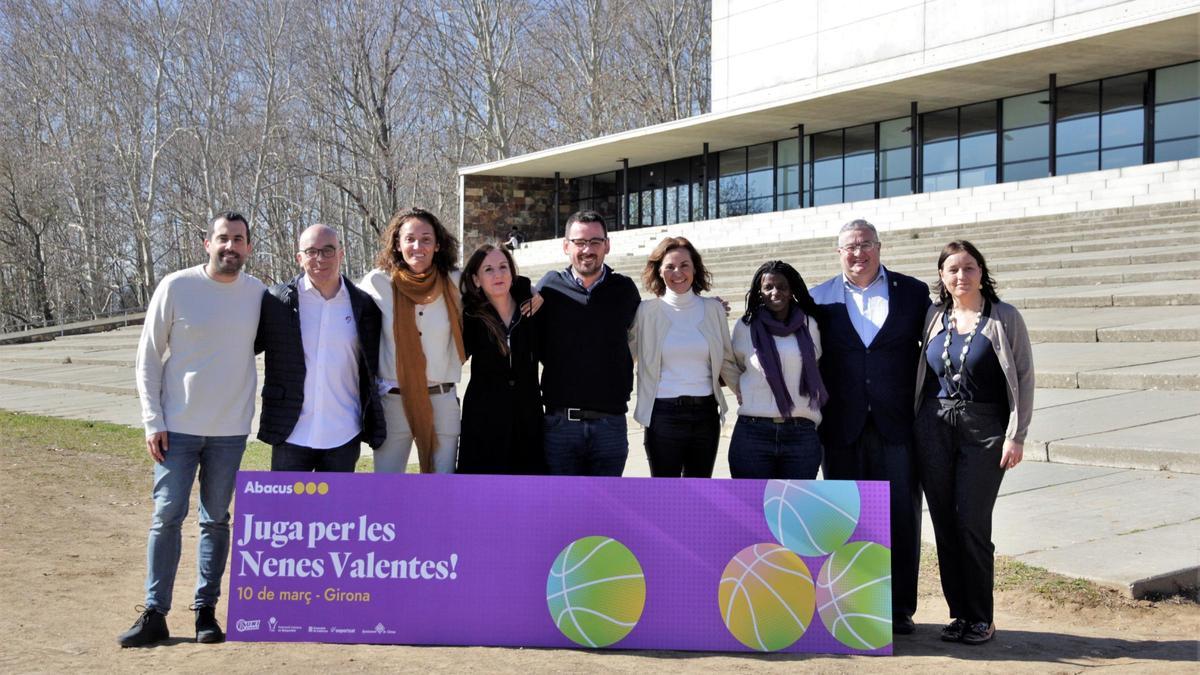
[[392, 456]]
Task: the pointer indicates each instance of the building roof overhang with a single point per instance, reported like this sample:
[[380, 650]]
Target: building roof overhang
[[1110, 53]]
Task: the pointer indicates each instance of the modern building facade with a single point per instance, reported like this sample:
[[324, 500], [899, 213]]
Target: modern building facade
[[818, 103]]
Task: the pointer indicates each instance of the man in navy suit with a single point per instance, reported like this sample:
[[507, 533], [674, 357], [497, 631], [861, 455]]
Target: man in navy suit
[[871, 322]]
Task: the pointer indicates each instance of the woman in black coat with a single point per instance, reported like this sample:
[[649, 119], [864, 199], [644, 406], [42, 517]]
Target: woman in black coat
[[502, 412]]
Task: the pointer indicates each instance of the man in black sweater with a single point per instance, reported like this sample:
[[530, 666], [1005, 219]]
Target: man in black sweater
[[587, 370], [321, 337]]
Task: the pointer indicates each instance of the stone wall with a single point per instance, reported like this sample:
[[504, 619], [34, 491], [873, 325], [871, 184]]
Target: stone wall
[[492, 205]]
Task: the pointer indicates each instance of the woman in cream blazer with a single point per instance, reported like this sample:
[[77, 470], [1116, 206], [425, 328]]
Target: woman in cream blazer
[[681, 344]]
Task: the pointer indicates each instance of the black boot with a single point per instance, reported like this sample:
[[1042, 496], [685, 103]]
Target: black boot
[[208, 630], [151, 627]]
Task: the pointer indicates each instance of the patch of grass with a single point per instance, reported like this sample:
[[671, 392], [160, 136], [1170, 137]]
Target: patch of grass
[[37, 432], [1056, 589], [1013, 574]]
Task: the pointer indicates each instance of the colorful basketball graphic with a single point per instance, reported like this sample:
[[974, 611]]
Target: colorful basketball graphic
[[811, 517], [595, 591], [854, 595], [766, 597]]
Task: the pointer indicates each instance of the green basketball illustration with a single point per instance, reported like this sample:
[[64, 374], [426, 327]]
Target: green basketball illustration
[[595, 591], [854, 595]]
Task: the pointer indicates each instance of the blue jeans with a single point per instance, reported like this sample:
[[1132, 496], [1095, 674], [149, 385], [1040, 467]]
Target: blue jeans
[[218, 459], [585, 447], [761, 449]]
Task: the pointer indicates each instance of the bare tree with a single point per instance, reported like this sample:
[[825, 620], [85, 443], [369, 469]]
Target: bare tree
[[128, 124]]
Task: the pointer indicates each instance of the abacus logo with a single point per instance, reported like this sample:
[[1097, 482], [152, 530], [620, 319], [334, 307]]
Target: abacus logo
[[298, 488]]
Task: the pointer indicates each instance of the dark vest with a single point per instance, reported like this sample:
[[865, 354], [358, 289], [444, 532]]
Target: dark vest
[[878, 378], [284, 370]]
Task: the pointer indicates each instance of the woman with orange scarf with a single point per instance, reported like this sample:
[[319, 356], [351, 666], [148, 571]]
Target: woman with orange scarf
[[415, 285]]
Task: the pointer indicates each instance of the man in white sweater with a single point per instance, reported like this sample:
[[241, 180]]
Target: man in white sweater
[[196, 381]]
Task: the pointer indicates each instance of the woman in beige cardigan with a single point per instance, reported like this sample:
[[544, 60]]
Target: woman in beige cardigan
[[680, 342], [974, 402]]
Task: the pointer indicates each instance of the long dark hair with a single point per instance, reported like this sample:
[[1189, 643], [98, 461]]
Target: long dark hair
[[389, 259], [800, 295], [987, 285], [475, 301]]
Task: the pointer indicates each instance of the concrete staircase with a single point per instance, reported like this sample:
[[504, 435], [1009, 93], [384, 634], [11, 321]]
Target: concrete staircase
[[1111, 298]]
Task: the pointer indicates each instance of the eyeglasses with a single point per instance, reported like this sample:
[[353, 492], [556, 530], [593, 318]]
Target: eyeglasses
[[324, 253], [864, 247], [594, 241]]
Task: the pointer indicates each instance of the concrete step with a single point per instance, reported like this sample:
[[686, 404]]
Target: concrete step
[[1090, 282], [1149, 429], [1146, 294], [1114, 324], [827, 264], [1168, 366], [70, 329], [997, 247]]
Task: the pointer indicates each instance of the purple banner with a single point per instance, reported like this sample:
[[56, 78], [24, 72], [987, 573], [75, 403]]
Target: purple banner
[[627, 563]]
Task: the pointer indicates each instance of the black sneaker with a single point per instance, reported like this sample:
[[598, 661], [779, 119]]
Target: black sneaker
[[151, 627], [208, 631], [979, 633], [953, 631], [902, 624]]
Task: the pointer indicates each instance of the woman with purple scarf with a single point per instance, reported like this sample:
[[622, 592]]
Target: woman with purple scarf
[[776, 346]]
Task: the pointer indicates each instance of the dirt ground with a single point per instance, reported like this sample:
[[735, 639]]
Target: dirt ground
[[72, 559]]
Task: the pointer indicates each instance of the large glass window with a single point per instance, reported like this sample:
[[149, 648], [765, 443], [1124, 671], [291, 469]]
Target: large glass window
[[1177, 112], [787, 174], [895, 157], [678, 191], [1077, 128], [977, 144], [1026, 136], [939, 150], [1098, 125], [697, 178], [1122, 120], [760, 178], [732, 183], [859, 163], [1026, 143], [827, 168], [959, 147], [606, 196]]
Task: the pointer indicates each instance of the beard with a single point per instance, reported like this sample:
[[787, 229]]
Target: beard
[[229, 263]]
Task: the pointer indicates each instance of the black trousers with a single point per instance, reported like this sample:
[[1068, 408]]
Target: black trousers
[[958, 454], [682, 437], [871, 457], [288, 457]]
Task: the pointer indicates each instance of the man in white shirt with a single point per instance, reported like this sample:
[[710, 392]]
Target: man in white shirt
[[871, 320], [320, 333], [196, 381]]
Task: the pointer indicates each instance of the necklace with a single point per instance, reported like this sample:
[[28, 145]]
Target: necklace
[[951, 328]]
